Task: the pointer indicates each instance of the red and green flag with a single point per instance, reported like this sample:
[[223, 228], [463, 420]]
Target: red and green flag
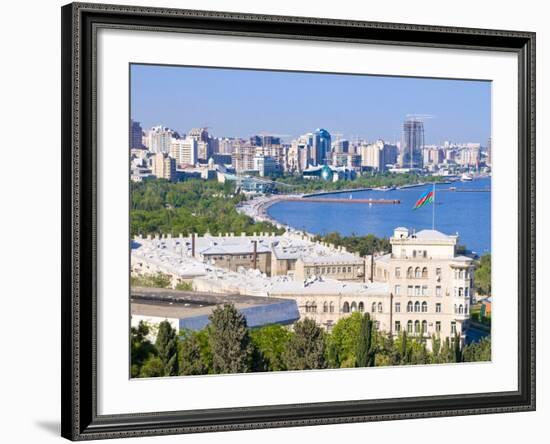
[[426, 198]]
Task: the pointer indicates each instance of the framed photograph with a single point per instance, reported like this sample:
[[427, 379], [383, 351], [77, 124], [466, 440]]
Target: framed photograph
[[276, 221]]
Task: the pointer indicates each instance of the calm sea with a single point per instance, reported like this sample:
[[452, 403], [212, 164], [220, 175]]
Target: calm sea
[[466, 212]]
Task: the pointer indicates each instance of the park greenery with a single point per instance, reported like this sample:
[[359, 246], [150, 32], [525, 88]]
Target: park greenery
[[227, 345], [194, 206], [482, 277], [297, 184]]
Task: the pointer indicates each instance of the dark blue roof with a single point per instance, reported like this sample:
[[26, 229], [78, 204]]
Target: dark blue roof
[[284, 312]]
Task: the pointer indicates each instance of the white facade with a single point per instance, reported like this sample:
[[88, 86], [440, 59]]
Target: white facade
[[184, 151]]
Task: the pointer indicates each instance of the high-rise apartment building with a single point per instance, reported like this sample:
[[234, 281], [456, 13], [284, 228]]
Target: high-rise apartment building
[[184, 151], [412, 143], [164, 167], [378, 155], [136, 135], [159, 139]]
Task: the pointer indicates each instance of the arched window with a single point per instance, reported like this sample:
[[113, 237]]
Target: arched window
[[417, 326], [424, 326], [345, 308], [460, 309], [373, 309], [466, 309], [331, 307], [425, 272], [353, 307], [380, 307], [361, 307], [460, 291], [409, 326], [424, 307], [410, 272], [409, 306], [314, 308], [417, 306], [417, 272], [325, 307], [307, 307]]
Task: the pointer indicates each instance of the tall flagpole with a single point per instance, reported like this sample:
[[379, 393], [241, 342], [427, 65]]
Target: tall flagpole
[[433, 207]]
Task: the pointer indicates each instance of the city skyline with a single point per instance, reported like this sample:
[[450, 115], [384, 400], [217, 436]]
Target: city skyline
[[293, 103]]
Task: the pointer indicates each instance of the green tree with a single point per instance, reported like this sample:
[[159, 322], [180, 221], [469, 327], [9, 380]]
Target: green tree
[[306, 348], [482, 275], [229, 340], [457, 349], [191, 362], [152, 368], [141, 347], [159, 280], [271, 341], [477, 351], [167, 348], [342, 341], [366, 348]]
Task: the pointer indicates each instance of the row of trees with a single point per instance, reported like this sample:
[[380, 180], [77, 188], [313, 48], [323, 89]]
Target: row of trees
[[227, 345], [159, 206], [372, 180], [363, 245]]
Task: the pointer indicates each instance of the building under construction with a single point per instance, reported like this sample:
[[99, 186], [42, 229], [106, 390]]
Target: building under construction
[[412, 143]]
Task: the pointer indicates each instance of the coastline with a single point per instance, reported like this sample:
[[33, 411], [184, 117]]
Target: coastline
[[257, 207]]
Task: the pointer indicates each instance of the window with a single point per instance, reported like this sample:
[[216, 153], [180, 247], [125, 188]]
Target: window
[[398, 272], [324, 270], [331, 307], [424, 307], [456, 274], [438, 291], [410, 290], [361, 307], [409, 326], [377, 325], [417, 326], [438, 326], [417, 272], [466, 291], [460, 309], [417, 290], [438, 307], [453, 328], [307, 307], [338, 270], [398, 307], [380, 307], [353, 307], [410, 272], [397, 327], [325, 308], [460, 292], [316, 270], [425, 272], [438, 272], [424, 290], [424, 326], [466, 309], [456, 309], [425, 254], [349, 269], [373, 308], [417, 306], [398, 290], [456, 292], [409, 306], [345, 308]]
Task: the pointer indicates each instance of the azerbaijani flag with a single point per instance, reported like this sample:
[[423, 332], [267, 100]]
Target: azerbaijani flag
[[426, 198]]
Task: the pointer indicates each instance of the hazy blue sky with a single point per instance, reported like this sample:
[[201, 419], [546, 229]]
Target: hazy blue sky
[[235, 102]]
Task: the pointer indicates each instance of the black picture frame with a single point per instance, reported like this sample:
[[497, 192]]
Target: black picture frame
[[80, 420]]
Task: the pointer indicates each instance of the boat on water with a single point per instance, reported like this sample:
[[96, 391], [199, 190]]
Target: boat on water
[[466, 178]]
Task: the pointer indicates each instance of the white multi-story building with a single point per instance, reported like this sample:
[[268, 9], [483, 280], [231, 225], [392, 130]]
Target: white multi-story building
[[430, 285], [159, 139], [378, 154], [184, 151]]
